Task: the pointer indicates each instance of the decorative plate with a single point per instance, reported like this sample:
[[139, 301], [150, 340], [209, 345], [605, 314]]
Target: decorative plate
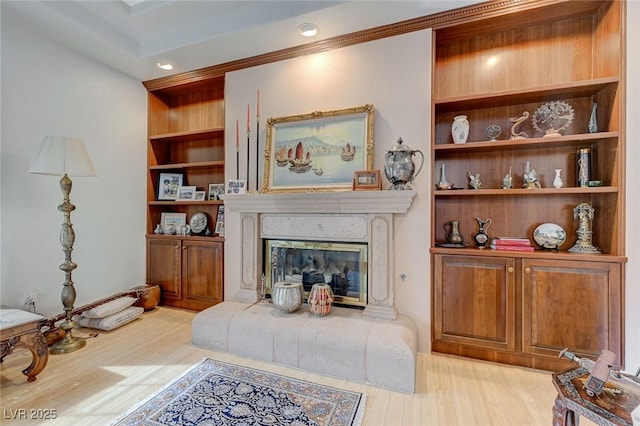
[[549, 235], [552, 117], [198, 222]]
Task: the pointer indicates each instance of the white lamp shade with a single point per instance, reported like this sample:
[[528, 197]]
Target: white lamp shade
[[60, 155]]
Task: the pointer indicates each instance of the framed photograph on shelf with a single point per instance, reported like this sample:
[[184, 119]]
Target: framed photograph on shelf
[[319, 151], [215, 189], [236, 186], [219, 230], [168, 184], [200, 196], [186, 193], [175, 220], [367, 180]]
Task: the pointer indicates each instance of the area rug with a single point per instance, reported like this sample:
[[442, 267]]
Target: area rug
[[218, 393]]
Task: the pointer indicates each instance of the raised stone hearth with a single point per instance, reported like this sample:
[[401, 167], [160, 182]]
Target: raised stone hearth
[[376, 346]]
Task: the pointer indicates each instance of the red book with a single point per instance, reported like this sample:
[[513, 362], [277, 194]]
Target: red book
[[510, 241], [511, 248]]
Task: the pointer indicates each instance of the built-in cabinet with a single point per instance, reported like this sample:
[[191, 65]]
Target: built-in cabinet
[[186, 137], [188, 271], [492, 64]]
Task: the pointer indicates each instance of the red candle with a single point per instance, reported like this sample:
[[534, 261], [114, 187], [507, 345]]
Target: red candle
[[238, 134], [258, 104], [248, 111]]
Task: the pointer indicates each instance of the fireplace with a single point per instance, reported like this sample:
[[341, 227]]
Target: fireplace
[[343, 266]]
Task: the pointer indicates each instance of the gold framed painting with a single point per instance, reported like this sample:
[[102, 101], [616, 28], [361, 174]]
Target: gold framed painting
[[318, 151]]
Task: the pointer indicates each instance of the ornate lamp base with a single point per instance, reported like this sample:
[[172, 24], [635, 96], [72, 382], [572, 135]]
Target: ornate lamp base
[[69, 343], [66, 345]]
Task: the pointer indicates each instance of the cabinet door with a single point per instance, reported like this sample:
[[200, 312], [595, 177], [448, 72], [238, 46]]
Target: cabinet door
[[202, 272], [571, 304], [163, 266], [474, 301]]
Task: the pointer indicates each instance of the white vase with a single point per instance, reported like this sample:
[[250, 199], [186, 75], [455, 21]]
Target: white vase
[[557, 180], [460, 129]]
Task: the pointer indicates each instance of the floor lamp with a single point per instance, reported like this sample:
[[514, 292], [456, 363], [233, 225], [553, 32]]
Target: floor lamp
[[65, 156]]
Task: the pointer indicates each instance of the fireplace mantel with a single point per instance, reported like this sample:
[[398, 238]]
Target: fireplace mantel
[[321, 202], [363, 216]]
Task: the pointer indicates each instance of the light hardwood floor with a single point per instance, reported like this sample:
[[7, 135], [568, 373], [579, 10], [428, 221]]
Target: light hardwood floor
[[118, 369]]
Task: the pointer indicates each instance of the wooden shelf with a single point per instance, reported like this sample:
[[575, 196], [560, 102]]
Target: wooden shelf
[[537, 254], [576, 89], [185, 203], [523, 191], [199, 164], [516, 144], [188, 135]]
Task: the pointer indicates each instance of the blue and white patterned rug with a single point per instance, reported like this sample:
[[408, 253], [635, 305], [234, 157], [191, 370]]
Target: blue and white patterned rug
[[218, 393]]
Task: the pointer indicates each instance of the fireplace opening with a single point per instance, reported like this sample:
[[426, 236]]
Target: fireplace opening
[[343, 266]]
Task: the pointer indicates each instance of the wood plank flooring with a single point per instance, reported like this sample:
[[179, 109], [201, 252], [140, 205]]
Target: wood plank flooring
[[118, 369]]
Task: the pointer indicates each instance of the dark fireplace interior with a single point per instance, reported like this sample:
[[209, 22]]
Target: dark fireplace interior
[[343, 266]]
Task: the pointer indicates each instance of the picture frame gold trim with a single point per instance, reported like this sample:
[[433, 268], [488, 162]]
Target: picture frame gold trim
[[367, 180], [331, 146]]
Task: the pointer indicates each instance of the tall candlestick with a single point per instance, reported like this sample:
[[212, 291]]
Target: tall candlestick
[[257, 140], [237, 149], [248, 147]]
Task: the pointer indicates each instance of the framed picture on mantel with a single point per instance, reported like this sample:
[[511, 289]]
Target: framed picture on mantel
[[319, 151]]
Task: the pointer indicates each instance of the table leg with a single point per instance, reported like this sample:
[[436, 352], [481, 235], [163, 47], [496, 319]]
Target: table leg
[[37, 345], [562, 416]]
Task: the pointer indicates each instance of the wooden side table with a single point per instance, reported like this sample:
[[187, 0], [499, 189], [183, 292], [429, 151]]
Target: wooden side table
[[22, 329], [611, 408]]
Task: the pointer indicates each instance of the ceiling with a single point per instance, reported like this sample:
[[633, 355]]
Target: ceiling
[[132, 36]]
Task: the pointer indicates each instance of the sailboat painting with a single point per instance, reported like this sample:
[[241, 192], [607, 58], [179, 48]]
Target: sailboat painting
[[319, 151]]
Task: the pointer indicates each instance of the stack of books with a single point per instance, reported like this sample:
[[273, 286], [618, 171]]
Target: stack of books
[[511, 244]]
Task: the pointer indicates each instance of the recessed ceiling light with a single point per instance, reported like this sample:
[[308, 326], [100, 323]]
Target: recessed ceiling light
[[165, 66], [308, 30]]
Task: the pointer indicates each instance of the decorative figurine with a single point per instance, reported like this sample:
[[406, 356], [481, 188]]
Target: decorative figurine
[[481, 238], [517, 121], [585, 214], [474, 181], [552, 117], [158, 230], [492, 132], [530, 178], [507, 181]]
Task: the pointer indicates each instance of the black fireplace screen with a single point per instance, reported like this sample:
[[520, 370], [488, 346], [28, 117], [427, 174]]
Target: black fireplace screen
[[343, 266]]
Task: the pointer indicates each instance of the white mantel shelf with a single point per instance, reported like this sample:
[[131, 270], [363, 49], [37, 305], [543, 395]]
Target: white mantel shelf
[[385, 201]]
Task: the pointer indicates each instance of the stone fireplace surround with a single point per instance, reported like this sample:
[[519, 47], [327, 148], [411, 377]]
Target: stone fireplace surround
[[376, 346]]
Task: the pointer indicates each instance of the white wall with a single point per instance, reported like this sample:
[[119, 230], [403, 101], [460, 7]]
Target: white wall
[[386, 73], [48, 89], [632, 348]]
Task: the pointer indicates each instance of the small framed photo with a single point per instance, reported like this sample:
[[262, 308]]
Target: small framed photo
[[215, 190], [220, 222], [199, 196], [236, 187], [168, 184], [172, 220], [367, 180], [186, 193]]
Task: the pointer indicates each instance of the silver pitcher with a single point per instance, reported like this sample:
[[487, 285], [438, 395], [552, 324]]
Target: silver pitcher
[[399, 166]]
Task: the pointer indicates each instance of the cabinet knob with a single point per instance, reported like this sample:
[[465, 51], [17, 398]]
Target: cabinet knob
[[527, 270], [510, 269]]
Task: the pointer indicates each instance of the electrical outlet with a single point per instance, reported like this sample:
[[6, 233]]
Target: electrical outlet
[[31, 299]]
